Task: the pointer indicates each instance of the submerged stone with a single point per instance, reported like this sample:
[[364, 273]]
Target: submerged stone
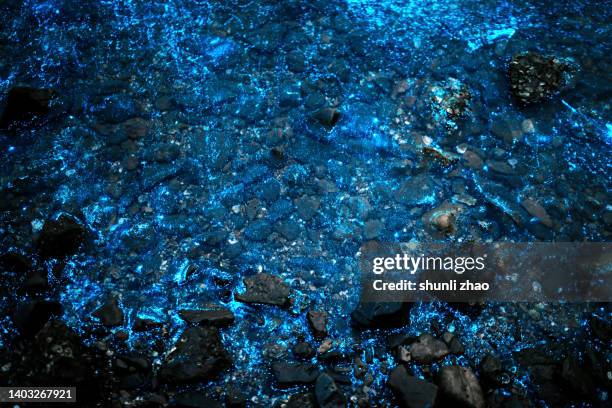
[[534, 78], [61, 237], [23, 104], [110, 314], [328, 394], [410, 391], [199, 355]]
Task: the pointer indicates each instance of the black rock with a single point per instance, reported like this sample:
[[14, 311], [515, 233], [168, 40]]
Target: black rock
[[302, 401], [327, 116], [194, 399], [398, 339], [61, 237], [377, 314], [287, 373], [199, 355], [265, 288], [234, 398], [328, 394], [303, 350], [428, 349], [57, 357], [142, 325], [110, 314], [490, 370], [318, 322], [258, 230], [459, 387], [14, 262], [601, 328], [499, 399], [31, 316], [35, 282], [24, 104], [417, 190], [577, 378], [453, 343], [534, 77], [289, 229], [411, 392], [217, 316]]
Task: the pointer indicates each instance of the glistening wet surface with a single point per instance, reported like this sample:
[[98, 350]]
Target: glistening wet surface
[[155, 154]]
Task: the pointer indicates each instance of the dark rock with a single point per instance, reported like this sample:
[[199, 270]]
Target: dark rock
[[31, 316], [24, 104], [258, 230], [307, 207], [142, 325], [198, 356], [302, 401], [490, 371], [411, 392], [373, 228], [459, 387], [234, 398], [398, 339], [14, 262], [303, 350], [110, 314], [417, 190], [318, 322], [502, 399], [61, 237], [453, 343], [265, 288], [601, 328], [217, 316], [289, 229], [287, 373], [328, 394], [501, 167], [194, 399], [135, 128], [428, 349], [378, 314], [577, 378], [36, 281], [131, 371], [58, 357], [534, 77], [327, 116]]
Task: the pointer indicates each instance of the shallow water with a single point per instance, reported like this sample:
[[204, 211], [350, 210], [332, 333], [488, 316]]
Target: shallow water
[[232, 175]]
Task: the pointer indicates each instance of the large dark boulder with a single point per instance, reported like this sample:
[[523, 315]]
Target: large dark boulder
[[29, 317], [328, 394], [459, 387], [379, 314], [410, 391], [534, 78], [199, 356], [24, 104], [428, 349], [61, 237]]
